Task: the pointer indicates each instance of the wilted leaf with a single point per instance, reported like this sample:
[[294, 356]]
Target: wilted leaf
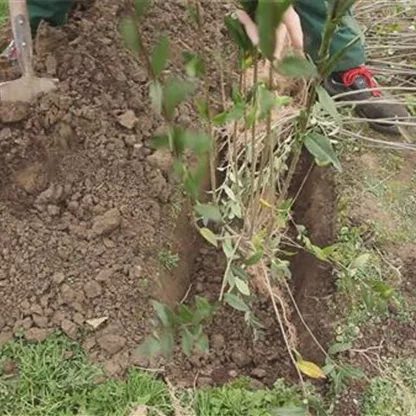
[[294, 67], [360, 262], [160, 56], [130, 35], [209, 211], [265, 203], [328, 104], [209, 236], [321, 149], [339, 347], [174, 92], [236, 302], [242, 286], [310, 369], [156, 96], [96, 322]]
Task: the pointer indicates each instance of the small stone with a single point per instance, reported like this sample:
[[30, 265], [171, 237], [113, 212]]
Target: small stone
[[111, 343], [92, 289], [70, 329], [233, 374], [37, 334], [241, 358], [128, 119], [218, 341], [58, 278], [106, 223], [259, 373]]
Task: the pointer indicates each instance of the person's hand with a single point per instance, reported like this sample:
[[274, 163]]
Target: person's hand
[[291, 26]]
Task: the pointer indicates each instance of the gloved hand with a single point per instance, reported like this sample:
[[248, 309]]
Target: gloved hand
[[291, 25]]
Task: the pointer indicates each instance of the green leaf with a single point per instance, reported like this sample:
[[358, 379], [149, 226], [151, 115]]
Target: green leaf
[[268, 17], [185, 314], [130, 35], [360, 262], [187, 342], [161, 311], [294, 67], [328, 104], [267, 101], [385, 291], [156, 96], [203, 109], [197, 141], [235, 114], [238, 34], [209, 211], [160, 142], [339, 347], [242, 286], [160, 56], [175, 92], [150, 347], [236, 302], [167, 343], [194, 65], [321, 149], [255, 258], [203, 343], [352, 372], [140, 7], [209, 236]]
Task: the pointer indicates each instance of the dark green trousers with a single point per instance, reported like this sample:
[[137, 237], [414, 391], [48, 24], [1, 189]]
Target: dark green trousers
[[54, 12], [313, 14]]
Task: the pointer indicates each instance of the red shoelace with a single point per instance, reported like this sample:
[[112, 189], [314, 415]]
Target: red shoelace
[[349, 77]]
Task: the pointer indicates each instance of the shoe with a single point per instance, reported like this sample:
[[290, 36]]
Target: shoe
[[361, 79], [10, 53]]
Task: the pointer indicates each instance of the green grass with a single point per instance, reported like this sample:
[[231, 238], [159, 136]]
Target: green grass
[[54, 378], [4, 14], [393, 393]]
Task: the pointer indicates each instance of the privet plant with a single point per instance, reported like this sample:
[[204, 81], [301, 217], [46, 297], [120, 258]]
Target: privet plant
[[264, 140]]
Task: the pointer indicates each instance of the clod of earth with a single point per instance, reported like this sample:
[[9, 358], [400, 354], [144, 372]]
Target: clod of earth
[[111, 343], [128, 119], [37, 334], [70, 329], [13, 112], [92, 289], [106, 223]]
